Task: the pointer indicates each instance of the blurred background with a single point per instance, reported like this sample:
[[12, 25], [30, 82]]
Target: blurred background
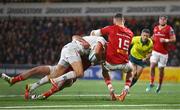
[[32, 32]]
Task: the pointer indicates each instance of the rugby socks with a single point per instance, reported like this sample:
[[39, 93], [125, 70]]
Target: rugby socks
[[107, 80], [69, 75], [50, 92], [152, 80], [41, 82], [152, 76], [17, 79], [54, 89], [128, 81]]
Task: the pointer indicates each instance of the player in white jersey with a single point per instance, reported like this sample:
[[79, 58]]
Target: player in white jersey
[[58, 84], [94, 56], [70, 56]]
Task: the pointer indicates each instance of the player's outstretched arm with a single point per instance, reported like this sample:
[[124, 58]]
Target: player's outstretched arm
[[96, 32], [80, 39]]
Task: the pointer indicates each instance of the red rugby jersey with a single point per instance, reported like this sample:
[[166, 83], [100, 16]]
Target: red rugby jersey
[[119, 41], [165, 33]]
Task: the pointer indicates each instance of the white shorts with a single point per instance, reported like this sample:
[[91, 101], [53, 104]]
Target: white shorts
[[126, 67], [159, 58], [69, 54]]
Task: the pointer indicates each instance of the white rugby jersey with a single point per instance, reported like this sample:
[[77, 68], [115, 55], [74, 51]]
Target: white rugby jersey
[[92, 40]]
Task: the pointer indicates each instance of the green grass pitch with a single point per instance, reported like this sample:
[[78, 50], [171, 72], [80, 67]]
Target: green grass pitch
[[91, 94]]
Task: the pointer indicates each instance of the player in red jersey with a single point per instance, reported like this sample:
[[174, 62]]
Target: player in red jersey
[[119, 40], [163, 35]]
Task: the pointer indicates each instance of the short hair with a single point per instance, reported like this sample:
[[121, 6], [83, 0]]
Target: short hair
[[146, 30], [165, 16], [118, 15]]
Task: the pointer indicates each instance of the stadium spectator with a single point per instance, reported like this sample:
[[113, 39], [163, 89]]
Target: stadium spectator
[[24, 38]]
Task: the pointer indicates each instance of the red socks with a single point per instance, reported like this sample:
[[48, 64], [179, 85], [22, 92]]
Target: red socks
[[128, 82], [152, 80], [50, 92], [17, 79], [128, 79]]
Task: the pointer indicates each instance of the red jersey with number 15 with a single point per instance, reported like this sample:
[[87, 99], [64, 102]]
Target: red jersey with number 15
[[165, 33], [119, 41]]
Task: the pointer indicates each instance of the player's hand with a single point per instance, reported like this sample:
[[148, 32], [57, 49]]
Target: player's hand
[[164, 40], [144, 59], [85, 44]]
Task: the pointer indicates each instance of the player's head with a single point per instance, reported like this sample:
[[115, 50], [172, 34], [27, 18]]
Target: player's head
[[163, 20], [145, 34], [118, 19]]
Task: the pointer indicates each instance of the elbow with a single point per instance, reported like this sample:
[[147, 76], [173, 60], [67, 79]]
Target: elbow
[[74, 37], [95, 32], [92, 33], [174, 40]]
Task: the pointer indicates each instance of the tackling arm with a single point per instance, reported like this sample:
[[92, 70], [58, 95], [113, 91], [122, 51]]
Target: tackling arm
[[84, 43], [96, 32]]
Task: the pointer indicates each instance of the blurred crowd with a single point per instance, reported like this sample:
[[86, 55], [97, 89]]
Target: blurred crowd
[[54, 1], [38, 40]]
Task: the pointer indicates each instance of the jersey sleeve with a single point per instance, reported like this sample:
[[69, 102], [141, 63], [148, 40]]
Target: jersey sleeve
[[105, 30], [133, 40], [151, 46], [171, 32]]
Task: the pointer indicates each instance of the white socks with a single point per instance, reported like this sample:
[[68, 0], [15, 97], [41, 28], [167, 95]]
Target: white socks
[[41, 82], [69, 75], [126, 88], [110, 87]]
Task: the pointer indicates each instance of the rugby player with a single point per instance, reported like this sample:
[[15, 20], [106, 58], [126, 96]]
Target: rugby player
[[163, 35], [140, 52], [119, 40]]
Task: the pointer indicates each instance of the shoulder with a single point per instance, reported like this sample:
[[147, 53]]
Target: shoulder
[[110, 26], [129, 31], [169, 27], [136, 37], [156, 27], [151, 42]]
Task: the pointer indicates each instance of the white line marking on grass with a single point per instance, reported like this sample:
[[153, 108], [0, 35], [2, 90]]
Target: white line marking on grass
[[64, 95], [89, 106]]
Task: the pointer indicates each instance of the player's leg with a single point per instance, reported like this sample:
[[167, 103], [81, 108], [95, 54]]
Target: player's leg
[[53, 90], [137, 74], [76, 73], [161, 76], [73, 58], [152, 76], [161, 65], [44, 70], [128, 69], [134, 72], [67, 83], [62, 84], [153, 62], [107, 80], [52, 70], [125, 91]]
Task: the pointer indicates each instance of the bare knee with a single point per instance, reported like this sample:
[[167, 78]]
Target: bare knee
[[80, 74]]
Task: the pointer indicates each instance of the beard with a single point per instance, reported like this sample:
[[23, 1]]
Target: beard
[[163, 24]]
